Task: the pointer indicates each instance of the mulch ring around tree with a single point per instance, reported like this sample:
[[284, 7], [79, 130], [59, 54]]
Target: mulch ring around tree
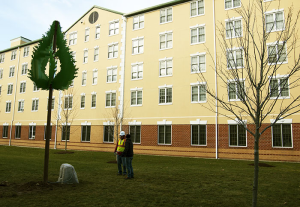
[[63, 152], [262, 165]]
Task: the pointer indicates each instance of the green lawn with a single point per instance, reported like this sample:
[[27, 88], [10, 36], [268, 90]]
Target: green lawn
[[159, 181]]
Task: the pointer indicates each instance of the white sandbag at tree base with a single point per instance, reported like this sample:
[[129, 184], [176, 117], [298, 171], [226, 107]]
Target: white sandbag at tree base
[[67, 174]]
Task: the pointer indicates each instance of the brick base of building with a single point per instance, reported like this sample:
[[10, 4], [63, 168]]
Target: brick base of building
[[180, 145]]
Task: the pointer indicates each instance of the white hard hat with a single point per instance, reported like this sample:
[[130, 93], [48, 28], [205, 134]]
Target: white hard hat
[[122, 133]]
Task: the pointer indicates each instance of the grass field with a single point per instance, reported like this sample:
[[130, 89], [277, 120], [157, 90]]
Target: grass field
[[159, 181]]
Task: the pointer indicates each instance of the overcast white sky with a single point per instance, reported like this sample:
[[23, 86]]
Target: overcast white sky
[[32, 18]]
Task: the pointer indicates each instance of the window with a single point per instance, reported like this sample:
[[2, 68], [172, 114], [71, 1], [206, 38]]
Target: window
[[113, 50], [282, 135], [94, 100], [35, 105], [2, 56], [198, 134], [111, 75], [74, 55], [229, 4], [10, 89], [45, 132], [52, 103], [138, 45], [82, 101], [136, 97], [5, 131], [198, 34], [279, 87], [198, 63], [65, 135], [85, 56], [274, 21], [68, 102], [26, 51], [237, 135], [114, 27], [13, 54], [110, 99], [197, 8], [18, 132], [96, 54], [24, 69], [73, 38], [87, 35], [135, 132], [165, 95], [32, 129], [165, 67], [85, 133], [235, 58], [22, 87], [138, 22], [166, 40], [199, 93], [35, 88], [277, 53], [83, 81], [97, 35], [236, 90], [136, 71], [21, 106], [109, 133], [164, 134], [1, 73], [166, 15], [0, 89], [11, 71], [8, 107], [233, 28], [95, 76]]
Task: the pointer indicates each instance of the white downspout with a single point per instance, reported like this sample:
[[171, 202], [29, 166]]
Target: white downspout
[[216, 80], [13, 114], [122, 64]]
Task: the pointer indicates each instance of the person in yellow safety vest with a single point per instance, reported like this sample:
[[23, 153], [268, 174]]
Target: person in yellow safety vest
[[120, 147]]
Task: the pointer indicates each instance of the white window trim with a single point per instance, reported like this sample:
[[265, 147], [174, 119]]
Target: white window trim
[[95, 70], [165, 87], [138, 38], [93, 93], [233, 19], [22, 69], [278, 76], [34, 99], [234, 49], [164, 123], [1, 71], [236, 122], [138, 64], [197, 84], [196, 27], [113, 45], [82, 77], [135, 123], [166, 22], [113, 22], [6, 105], [12, 88], [96, 26], [235, 81], [198, 54], [136, 90], [20, 86], [85, 50], [199, 122], [111, 68], [272, 12], [165, 33], [71, 33], [110, 92], [69, 95], [12, 66], [87, 29], [138, 22], [232, 6], [165, 60], [198, 15], [275, 44], [283, 121], [82, 94]]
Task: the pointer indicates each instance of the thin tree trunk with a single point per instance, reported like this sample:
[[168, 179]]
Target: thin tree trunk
[[256, 169], [66, 133]]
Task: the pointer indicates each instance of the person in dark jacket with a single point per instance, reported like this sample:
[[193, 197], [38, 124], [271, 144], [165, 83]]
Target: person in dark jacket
[[128, 154]]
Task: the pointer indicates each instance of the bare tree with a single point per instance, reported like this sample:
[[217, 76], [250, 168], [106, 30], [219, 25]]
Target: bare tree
[[68, 111], [253, 53]]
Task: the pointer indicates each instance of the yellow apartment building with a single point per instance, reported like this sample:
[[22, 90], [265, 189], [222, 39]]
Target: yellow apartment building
[[142, 68]]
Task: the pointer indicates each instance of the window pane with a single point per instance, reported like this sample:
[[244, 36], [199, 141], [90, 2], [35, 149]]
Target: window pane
[[274, 87], [161, 132], [286, 135], [233, 135], [277, 135], [242, 136], [195, 133], [168, 135]]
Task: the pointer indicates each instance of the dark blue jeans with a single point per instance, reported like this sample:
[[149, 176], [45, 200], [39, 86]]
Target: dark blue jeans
[[129, 166], [121, 161]]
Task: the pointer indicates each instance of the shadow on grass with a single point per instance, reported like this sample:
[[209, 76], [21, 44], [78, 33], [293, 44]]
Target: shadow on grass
[[262, 165]]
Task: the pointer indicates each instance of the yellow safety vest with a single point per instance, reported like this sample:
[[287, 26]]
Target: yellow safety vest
[[121, 145]]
